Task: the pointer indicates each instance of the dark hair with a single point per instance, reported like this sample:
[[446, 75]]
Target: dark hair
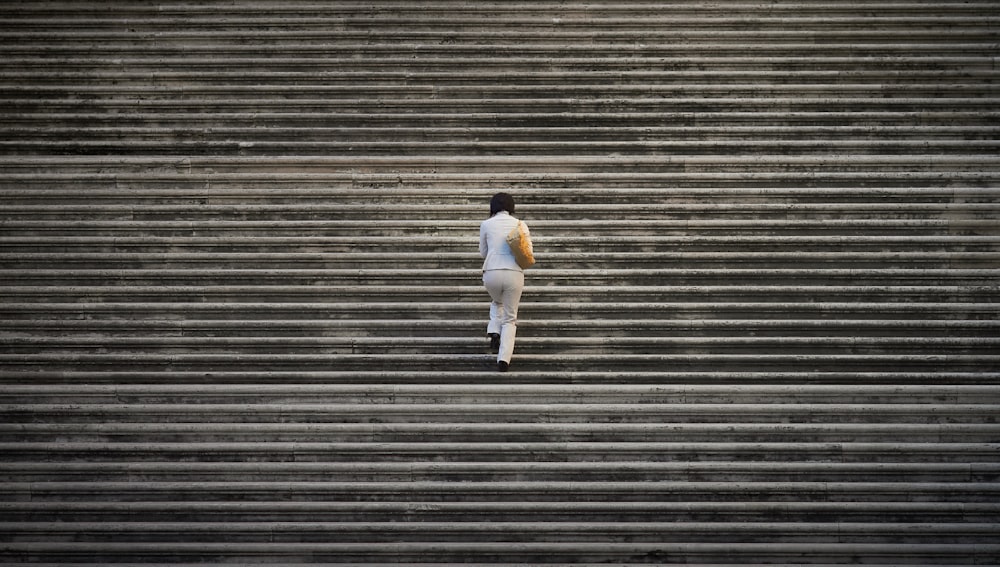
[[501, 202]]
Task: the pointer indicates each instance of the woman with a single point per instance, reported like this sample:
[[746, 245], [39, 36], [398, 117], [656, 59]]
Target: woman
[[503, 278]]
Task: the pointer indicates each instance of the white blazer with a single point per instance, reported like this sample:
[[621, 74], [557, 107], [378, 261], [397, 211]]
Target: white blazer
[[493, 245]]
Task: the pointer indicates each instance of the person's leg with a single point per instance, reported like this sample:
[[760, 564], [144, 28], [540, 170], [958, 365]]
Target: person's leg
[[494, 286], [494, 325], [511, 299]]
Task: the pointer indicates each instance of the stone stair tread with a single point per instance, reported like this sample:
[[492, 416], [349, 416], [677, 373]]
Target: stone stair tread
[[984, 492], [490, 468], [403, 391], [508, 553], [408, 451], [410, 377], [318, 416], [848, 532]]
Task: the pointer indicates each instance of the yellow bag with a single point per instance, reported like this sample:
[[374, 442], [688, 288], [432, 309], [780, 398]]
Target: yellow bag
[[520, 245]]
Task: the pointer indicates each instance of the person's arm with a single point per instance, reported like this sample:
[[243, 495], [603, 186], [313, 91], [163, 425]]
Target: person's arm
[[483, 247]]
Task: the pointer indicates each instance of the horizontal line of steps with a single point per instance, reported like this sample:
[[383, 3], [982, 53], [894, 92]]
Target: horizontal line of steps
[[541, 310], [273, 418], [647, 16], [668, 278], [957, 39], [49, 48], [889, 115], [444, 216], [698, 262], [493, 491], [626, 511], [540, 83], [182, 178], [864, 389], [324, 21], [568, 138], [82, 85], [24, 345], [596, 431], [485, 364], [527, 531], [423, 291], [394, 11], [508, 553], [153, 184], [110, 44], [491, 8], [256, 146], [706, 245], [340, 237], [521, 451], [135, 226], [392, 189], [875, 167], [238, 378], [652, 326], [270, 67], [631, 471], [285, 58]]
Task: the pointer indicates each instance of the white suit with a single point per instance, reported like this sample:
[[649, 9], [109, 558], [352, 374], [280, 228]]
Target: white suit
[[503, 278]]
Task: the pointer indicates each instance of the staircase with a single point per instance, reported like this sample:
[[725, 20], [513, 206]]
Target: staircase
[[242, 318]]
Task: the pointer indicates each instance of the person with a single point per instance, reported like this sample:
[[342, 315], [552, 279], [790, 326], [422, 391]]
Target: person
[[502, 277]]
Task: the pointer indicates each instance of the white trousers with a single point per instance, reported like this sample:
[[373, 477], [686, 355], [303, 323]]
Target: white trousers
[[505, 287]]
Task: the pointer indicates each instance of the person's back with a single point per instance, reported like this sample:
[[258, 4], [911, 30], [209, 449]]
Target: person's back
[[493, 242]]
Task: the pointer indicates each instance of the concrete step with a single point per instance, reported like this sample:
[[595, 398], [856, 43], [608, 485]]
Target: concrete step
[[473, 294], [907, 265], [611, 233], [625, 511], [100, 9], [272, 417], [725, 113], [230, 378], [32, 140], [98, 326], [39, 47], [506, 553], [396, 532], [537, 192], [714, 247], [199, 276], [485, 364], [26, 347], [514, 490], [443, 19], [514, 452], [626, 471], [165, 178], [451, 310], [165, 88], [444, 217], [409, 391], [875, 167], [252, 145]]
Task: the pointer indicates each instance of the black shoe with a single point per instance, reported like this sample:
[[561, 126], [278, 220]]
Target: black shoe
[[494, 342], [502, 366]]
